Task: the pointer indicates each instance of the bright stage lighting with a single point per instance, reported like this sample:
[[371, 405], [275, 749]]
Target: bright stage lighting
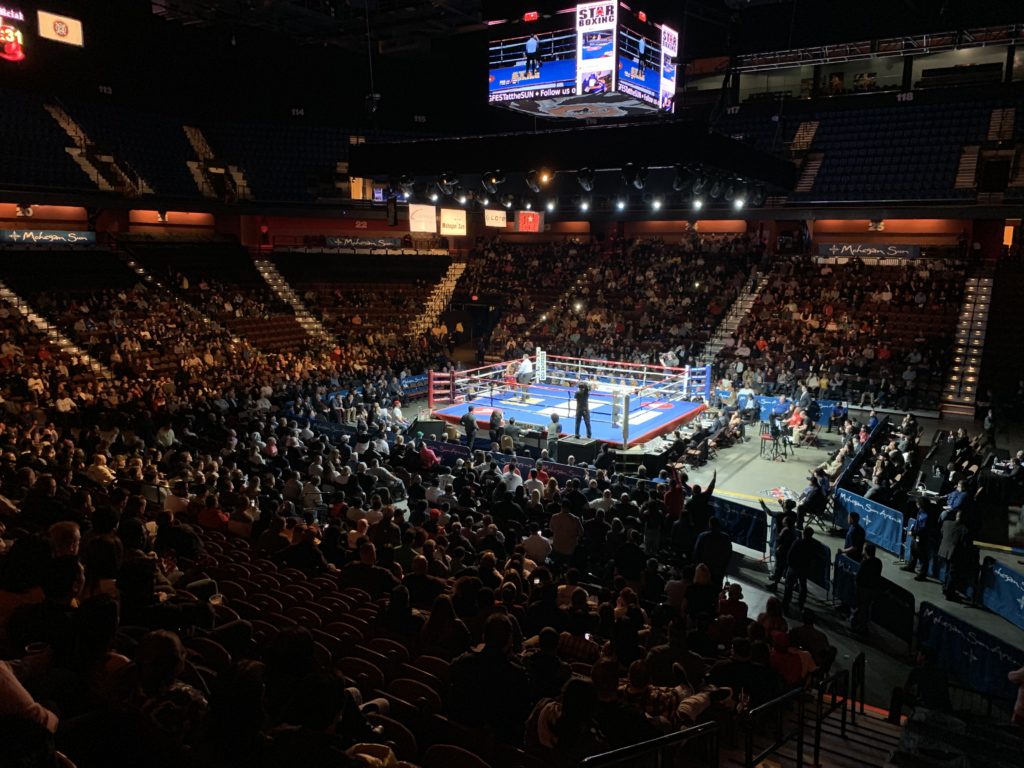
[[697, 203]]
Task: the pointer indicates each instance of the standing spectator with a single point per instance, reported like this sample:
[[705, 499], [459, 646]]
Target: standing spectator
[[869, 586], [798, 567], [714, 549], [566, 533], [853, 546]]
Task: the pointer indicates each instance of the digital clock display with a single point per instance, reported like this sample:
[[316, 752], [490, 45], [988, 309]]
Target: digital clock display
[[12, 41]]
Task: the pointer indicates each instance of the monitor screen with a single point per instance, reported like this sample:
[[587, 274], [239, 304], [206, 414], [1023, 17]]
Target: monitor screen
[[533, 57]]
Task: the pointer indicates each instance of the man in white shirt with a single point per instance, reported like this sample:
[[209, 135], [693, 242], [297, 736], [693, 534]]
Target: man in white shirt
[[566, 531], [434, 492], [605, 501], [524, 375], [536, 547], [512, 477], [533, 484]]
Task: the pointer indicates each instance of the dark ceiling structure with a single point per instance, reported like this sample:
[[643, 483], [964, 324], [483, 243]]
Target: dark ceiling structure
[[666, 156]]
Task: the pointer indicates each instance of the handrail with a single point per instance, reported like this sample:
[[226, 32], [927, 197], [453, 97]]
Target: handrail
[[778, 707], [988, 697], [838, 685], [857, 685], [677, 738]]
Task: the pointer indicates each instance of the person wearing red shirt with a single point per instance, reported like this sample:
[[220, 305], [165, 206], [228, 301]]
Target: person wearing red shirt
[[211, 517], [428, 458]]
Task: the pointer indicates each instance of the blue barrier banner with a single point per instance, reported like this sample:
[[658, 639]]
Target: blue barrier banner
[[969, 655], [883, 526], [1002, 591], [844, 582], [450, 452], [746, 526], [821, 570]]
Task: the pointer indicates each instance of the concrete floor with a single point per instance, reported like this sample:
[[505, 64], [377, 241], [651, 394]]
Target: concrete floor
[[743, 473]]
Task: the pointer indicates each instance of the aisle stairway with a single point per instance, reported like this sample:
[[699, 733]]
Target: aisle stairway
[[438, 300], [150, 279], [737, 313], [208, 165], [313, 327], [106, 171], [54, 334], [869, 743], [960, 392]]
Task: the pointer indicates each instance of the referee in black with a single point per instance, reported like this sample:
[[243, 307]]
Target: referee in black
[[582, 407], [468, 421]]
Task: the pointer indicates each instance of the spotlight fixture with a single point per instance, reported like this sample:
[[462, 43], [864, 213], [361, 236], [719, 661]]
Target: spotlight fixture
[[433, 197], [585, 178], [507, 201], [697, 203], [406, 184], [485, 200], [684, 179], [717, 188], [492, 180], [656, 203], [738, 203], [634, 175], [528, 205], [545, 177], [700, 183], [584, 205], [757, 197], [550, 205], [533, 181], [406, 195], [462, 198], [446, 183], [620, 204], [730, 190]]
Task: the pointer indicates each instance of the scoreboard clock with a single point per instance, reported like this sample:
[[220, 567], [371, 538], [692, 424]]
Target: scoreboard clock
[[12, 38]]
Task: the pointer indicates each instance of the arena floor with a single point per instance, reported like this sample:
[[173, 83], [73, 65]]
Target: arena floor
[[648, 419]]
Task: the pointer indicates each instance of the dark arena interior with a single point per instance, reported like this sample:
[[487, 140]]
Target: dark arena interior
[[511, 384]]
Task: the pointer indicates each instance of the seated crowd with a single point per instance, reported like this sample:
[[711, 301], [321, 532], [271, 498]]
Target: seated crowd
[[874, 336], [664, 305], [207, 581]]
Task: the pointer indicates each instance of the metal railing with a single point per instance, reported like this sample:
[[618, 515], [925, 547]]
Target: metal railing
[[654, 751], [780, 708], [857, 685], [966, 699], [837, 686]]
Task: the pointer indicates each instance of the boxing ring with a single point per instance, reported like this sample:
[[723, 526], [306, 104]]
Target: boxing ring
[[630, 403]]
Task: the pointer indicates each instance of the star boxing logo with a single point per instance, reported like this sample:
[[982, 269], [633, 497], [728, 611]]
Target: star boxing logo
[[594, 15]]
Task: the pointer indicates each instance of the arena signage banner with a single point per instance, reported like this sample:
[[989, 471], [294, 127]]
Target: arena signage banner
[[495, 219], [529, 221], [968, 654], [422, 218], [46, 237], [868, 250], [453, 222], [1002, 591], [883, 526], [362, 242], [62, 29]]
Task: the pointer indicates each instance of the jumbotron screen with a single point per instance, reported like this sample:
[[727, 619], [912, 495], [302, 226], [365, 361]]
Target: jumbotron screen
[[599, 59]]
